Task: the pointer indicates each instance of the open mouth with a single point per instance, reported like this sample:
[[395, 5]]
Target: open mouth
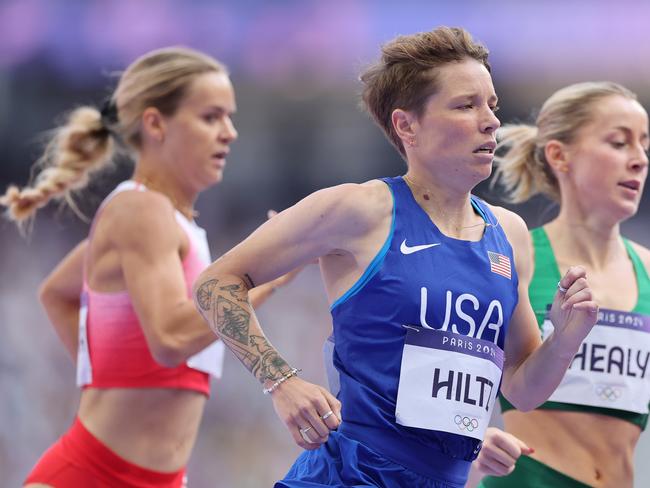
[[487, 148]]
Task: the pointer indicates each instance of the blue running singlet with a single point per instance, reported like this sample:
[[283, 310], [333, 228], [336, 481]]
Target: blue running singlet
[[419, 281]]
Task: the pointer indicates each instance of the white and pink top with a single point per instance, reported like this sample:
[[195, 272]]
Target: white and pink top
[[113, 351]]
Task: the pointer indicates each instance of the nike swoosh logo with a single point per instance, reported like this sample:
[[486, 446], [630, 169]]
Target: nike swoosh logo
[[411, 249]]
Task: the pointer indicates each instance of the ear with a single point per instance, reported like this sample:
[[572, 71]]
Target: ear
[[153, 124], [403, 123], [557, 156]]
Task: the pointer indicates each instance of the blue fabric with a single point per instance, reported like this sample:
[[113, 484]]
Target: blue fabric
[[451, 285], [332, 375], [345, 462], [373, 267]]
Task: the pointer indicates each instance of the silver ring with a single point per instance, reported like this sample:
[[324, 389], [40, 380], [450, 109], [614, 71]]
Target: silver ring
[[561, 288], [303, 433], [327, 415]]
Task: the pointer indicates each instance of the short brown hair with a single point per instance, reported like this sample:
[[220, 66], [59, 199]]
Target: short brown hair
[[405, 75]]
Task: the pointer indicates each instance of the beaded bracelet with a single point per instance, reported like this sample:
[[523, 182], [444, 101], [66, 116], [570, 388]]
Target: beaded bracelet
[[274, 386]]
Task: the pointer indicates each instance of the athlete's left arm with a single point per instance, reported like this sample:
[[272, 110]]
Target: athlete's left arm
[[532, 369], [500, 452], [60, 296]]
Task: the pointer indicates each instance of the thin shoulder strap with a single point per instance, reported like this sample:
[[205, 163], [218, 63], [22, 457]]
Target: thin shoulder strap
[[643, 281]]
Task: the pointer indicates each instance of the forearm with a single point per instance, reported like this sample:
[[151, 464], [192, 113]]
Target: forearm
[[258, 295], [64, 316], [183, 334], [537, 377], [59, 295], [190, 336], [225, 304]]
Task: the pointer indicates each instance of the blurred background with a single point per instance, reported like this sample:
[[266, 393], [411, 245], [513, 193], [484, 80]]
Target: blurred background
[[295, 65]]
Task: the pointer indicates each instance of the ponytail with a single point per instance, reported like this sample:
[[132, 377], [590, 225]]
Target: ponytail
[[520, 165], [78, 148]]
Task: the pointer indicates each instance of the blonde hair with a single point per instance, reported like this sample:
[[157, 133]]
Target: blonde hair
[[85, 142], [405, 75], [521, 166]]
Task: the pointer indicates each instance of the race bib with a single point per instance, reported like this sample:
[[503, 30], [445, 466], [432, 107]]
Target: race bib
[[84, 367], [612, 366], [448, 382]]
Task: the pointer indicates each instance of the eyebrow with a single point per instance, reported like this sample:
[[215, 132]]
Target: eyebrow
[[627, 130], [219, 108], [475, 95]]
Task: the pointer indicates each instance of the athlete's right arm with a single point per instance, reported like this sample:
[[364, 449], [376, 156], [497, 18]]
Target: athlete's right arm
[[330, 221], [60, 296], [143, 231]]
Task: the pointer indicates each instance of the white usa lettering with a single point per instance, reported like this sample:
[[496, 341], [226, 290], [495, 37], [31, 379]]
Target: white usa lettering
[[463, 321]]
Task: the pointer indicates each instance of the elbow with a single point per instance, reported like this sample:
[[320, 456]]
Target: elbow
[[56, 301], [46, 294], [167, 355], [170, 340], [167, 359], [166, 349], [524, 406], [521, 401]]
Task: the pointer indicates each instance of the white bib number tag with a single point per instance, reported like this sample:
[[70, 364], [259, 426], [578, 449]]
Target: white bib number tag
[[448, 382], [84, 367], [612, 366]]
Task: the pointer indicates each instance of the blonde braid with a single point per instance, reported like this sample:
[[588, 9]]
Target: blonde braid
[[78, 148], [86, 142]]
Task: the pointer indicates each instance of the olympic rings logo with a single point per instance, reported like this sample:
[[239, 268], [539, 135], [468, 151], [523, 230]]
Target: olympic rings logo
[[466, 423], [606, 392]]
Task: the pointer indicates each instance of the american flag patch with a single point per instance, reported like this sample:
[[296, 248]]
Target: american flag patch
[[500, 264]]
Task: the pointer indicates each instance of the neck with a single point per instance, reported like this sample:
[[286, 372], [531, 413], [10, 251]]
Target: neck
[[586, 239], [451, 211], [182, 199]]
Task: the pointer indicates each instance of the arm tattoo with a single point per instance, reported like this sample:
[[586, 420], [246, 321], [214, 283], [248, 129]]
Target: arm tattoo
[[247, 358], [271, 365], [204, 294], [235, 323], [233, 291], [232, 320]]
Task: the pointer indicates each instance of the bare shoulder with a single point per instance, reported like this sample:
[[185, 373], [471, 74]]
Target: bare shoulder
[[357, 207], [372, 200], [140, 215], [513, 225], [643, 252]]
